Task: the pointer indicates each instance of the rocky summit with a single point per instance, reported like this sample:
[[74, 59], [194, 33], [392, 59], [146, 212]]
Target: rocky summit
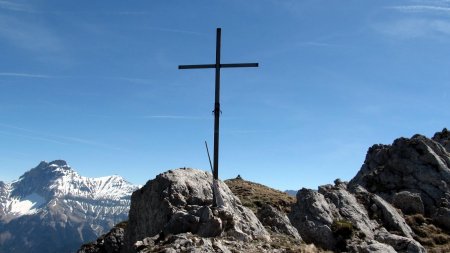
[[397, 202], [174, 211]]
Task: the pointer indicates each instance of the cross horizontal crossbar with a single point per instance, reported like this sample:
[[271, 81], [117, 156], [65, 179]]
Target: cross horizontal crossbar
[[211, 66]]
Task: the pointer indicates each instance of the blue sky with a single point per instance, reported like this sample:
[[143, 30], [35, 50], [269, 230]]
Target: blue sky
[[96, 83]]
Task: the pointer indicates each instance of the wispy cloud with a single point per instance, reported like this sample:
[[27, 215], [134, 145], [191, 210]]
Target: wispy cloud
[[419, 19], [292, 47], [422, 8], [24, 7], [14, 6], [66, 140], [30, 75], [415, 28], [138, 80], [31, 137], [29, 35], [99, 12]]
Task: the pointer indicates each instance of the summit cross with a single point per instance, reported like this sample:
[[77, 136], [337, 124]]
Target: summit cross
[[217, 111]]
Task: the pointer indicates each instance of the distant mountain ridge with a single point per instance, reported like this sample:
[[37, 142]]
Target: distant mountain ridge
[[53, 202], [292, 193]]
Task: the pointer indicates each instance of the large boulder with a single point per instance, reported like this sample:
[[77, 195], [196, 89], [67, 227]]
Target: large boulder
[[180, 201]]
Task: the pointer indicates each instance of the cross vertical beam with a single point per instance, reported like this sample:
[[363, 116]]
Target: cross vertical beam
[[217, 66], [217, 106]]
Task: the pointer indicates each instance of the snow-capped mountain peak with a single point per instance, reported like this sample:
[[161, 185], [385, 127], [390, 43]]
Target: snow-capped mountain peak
[[54, 198]]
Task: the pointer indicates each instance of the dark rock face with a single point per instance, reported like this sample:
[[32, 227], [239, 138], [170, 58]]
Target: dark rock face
[[443, 138], [408, 202], [419, 166], [112, 242], [179, 202]]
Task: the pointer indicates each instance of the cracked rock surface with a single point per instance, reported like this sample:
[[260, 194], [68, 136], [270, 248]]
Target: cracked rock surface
[[411, 176]]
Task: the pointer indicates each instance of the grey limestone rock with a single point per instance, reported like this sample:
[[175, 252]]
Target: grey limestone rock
[[337, 218], [191, 243], [370, 247], [411, 174], [408, 202], [418, 165], [179, 201], [318, 215], [391, 218], [313, 216], [277, 221], [399, 243]]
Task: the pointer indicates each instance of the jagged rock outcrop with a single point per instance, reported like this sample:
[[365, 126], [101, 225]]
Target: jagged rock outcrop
[[418, 166], [412, 175], [342, 219], [111, 242], [443, 138]]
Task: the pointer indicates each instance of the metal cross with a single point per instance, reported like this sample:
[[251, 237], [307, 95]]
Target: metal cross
[[217, 111]]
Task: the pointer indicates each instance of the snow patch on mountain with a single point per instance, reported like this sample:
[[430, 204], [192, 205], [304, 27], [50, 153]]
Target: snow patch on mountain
[[28, 205]]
